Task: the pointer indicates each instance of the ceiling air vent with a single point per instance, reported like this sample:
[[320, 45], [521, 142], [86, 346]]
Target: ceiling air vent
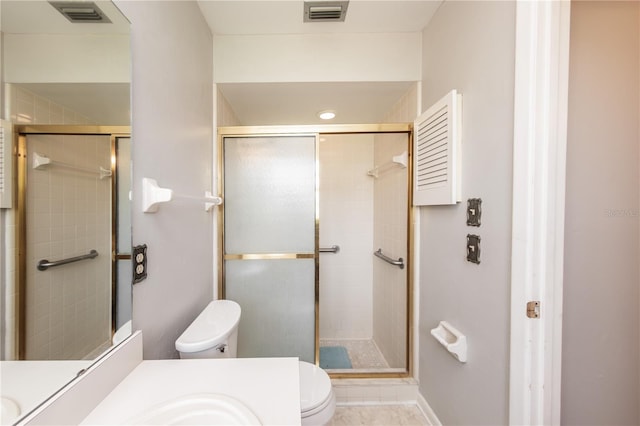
[[325, 11], [80, 11]]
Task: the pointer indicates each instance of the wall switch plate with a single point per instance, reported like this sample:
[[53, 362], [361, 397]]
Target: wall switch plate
[[139, 258], [474, 211], [473, 248]]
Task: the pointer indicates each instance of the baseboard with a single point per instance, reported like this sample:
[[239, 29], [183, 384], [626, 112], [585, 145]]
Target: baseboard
[[428, 412]]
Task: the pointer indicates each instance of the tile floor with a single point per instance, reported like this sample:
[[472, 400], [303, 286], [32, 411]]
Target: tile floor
[[364, 354], [387, 415]]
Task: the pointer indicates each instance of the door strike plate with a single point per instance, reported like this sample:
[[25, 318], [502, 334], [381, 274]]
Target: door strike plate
[[533, 309]]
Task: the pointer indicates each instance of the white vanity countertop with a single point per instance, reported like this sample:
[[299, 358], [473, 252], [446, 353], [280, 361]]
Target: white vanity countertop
[[270, 387], [28, 383]]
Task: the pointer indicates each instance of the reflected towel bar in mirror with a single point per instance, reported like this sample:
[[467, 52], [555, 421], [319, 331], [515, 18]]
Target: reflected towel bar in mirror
[[44, 264], [40, 161]]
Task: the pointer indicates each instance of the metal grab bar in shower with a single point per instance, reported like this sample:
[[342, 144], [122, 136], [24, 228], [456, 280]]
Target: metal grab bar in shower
[[332, 249], [44, 264], [399, 263]]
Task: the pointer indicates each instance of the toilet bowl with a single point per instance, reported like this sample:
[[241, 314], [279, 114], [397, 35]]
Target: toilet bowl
[[317, 399], [214, 334]]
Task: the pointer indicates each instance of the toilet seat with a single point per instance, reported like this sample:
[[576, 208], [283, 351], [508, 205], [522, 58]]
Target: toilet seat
[[315, 389], [330, 401]]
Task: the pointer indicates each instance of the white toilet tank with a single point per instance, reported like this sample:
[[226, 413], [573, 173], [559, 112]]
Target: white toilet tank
[[213, 334]]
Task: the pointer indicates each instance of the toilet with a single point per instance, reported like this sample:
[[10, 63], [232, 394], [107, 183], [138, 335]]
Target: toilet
[[214, 334], [317, 400]]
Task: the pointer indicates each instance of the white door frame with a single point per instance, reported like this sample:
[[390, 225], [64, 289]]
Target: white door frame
[[539, 160]]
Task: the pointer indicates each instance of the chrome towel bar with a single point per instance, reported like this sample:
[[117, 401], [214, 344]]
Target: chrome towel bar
[[44, 264], [332, 249], [399, 263]]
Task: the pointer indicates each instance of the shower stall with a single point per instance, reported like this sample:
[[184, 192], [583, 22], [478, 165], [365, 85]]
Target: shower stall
[[315, 244]]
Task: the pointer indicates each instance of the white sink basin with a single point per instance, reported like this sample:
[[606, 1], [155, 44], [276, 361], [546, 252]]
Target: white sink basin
[[198, 409]]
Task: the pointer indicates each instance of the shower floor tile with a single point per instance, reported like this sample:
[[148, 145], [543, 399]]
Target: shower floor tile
[[364, 353]]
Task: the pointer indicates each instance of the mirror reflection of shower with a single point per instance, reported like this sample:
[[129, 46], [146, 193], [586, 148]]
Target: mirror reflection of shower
[[68, 217]]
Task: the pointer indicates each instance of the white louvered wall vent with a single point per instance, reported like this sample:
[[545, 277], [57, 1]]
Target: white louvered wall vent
[[436, 147], [5, 164]]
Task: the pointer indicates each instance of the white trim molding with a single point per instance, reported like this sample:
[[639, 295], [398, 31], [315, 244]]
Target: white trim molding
[[428, 412], [540, 135]]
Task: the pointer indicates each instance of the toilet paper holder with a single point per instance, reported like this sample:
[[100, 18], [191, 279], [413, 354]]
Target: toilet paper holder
[[452, 339]]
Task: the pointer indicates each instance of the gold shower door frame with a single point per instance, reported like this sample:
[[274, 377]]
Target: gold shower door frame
[[317, 131], [20, 165]]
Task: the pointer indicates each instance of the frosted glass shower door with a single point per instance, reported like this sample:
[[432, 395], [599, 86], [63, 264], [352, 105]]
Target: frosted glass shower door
[[270, 243]]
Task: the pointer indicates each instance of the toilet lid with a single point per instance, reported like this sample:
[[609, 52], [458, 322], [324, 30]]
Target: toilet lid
[[315, 386], [214, 324]]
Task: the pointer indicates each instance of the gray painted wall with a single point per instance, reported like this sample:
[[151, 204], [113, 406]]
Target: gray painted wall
[[470, 46], [172, 104], [600, 366]]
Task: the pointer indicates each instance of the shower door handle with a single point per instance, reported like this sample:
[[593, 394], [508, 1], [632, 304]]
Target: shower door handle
[[332, 249]]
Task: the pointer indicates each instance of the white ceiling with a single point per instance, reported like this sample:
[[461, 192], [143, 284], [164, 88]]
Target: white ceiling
[[38, 16], [286, 16], [105, 103], [298, 103], [255, 103]]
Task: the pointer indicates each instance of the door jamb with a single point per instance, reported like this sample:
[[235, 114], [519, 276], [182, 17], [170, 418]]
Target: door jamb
[[539, 162]]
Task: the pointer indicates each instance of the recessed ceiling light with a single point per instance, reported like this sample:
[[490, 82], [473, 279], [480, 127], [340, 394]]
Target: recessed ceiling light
[[327, 115]]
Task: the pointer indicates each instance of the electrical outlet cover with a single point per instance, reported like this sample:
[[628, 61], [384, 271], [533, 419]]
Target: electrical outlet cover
[[139, 258]]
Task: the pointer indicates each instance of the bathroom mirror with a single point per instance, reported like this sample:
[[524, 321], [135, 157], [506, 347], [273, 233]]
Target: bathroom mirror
[[72, 71]]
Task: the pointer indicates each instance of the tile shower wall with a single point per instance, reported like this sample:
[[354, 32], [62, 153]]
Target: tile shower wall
[[224, 113], [10, 292], [25, 107], [406, 109], [68, 214], [390, 234], [346, 219]]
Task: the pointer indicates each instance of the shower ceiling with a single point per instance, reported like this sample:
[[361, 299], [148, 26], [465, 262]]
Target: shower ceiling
[[298, 103]]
